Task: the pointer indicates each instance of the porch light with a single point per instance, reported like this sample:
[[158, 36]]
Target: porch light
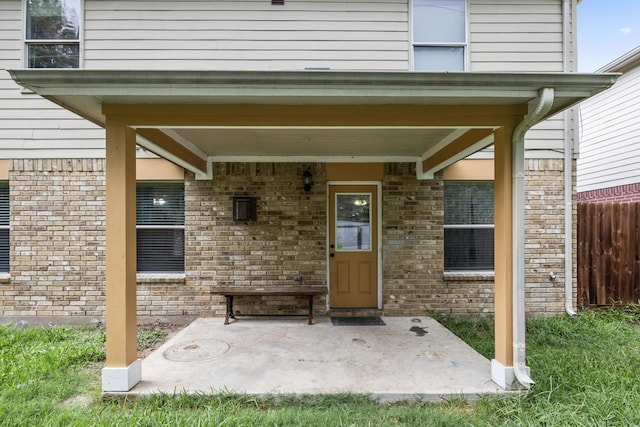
[[307, 180]]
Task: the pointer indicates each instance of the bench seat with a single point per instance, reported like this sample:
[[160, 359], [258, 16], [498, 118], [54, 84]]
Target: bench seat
[[230, 292]]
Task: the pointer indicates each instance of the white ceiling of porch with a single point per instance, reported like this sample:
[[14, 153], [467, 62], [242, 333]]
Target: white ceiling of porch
[[323, 142]]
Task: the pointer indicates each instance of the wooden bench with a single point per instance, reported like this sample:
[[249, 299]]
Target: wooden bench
[[233, 291]]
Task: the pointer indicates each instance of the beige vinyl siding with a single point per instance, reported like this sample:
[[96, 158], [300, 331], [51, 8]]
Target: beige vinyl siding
[[9, 31], [31, 126], [521, 36], [610, 136], [254, 35], [546, 139], [247, 35], [516, 36]]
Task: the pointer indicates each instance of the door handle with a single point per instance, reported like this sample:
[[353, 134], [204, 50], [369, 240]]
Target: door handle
[[332, 254]]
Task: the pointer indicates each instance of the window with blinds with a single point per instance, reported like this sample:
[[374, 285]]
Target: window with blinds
[[468, 225], [4, 226], [160, 226]]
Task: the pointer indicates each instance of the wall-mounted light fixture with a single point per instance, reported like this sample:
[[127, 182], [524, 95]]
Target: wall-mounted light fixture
[[245, 208], [307, 179]]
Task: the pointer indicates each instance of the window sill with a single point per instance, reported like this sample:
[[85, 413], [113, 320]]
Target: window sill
[[469, 276], [5, 278], [160, 277]]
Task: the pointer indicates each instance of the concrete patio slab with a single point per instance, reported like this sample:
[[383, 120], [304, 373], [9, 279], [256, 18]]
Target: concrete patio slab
[[409, 358]]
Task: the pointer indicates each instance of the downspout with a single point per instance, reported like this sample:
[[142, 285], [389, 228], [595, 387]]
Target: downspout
[[543, 103], [568, 11]]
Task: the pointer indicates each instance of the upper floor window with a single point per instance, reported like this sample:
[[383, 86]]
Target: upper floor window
[[439, 35], [468, 225], [52, 33], [160, 226], [4, 226]]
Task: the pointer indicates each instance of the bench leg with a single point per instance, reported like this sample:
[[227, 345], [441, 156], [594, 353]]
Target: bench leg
[[229, 313], [310, 309]]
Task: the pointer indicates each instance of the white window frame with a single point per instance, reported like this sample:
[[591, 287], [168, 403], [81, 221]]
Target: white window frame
[[413, 44], [26, 42]]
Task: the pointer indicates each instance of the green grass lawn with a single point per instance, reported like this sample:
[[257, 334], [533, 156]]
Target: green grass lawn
[[586, 373]]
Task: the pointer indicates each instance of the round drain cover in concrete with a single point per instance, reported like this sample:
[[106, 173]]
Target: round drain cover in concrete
[[196, 351]]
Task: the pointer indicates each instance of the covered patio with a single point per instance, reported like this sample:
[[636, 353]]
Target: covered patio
[[408, 358], [198, 118]]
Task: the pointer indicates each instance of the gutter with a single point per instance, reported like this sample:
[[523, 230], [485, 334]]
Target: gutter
[[543, 103], [568, 165], [96, 83]]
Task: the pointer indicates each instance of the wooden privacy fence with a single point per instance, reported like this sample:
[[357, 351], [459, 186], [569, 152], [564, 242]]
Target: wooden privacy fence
[[608, 253]]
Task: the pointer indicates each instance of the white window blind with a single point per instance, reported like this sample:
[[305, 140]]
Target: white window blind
[[468, 225], [160, 226]]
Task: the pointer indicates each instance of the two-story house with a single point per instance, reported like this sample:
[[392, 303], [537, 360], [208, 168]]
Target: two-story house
[[376, 148], [608, 183], [610, 137]]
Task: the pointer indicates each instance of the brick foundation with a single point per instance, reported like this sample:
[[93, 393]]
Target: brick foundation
[[617, 194]]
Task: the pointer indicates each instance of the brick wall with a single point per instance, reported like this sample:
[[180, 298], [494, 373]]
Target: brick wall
[[467, 294], [472, 293], [57, 238], [287, 239], [544, 239], [617, 194], [57, 243], [413, 248]]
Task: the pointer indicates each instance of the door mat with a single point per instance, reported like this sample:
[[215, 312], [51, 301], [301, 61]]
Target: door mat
[[357, 321]]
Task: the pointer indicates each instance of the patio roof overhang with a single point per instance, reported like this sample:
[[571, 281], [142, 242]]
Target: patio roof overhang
[[194, 118]]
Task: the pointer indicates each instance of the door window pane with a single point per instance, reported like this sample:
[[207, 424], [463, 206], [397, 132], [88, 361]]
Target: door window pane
[[353, 222]]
